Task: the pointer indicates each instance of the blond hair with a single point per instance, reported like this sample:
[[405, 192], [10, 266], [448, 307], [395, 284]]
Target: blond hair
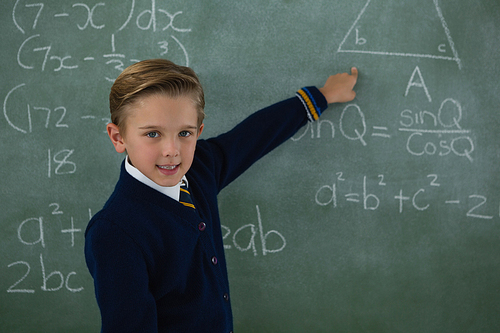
[[150, 77]]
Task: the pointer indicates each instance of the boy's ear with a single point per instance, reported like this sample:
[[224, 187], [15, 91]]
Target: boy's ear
[[200, 130], [115, 137]]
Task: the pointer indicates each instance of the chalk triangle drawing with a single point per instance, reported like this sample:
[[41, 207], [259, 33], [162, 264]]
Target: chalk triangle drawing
[[389, 28]]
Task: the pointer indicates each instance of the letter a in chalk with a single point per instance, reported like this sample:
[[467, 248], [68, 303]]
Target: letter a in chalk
[[39, 224], [420, 84]]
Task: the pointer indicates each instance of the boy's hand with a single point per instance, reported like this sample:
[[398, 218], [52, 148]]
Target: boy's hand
[[339, 88]]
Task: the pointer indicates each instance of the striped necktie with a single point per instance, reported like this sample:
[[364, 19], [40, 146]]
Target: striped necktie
[[185, 196]]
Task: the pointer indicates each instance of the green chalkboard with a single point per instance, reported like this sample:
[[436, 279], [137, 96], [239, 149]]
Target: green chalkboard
[[384, 216]]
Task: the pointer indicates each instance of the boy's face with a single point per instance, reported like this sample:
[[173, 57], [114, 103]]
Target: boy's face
[[160, 137]]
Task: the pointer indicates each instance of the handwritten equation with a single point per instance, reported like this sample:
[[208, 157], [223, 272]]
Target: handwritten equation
[[38, 52], [32, 233], [42, 117], [430, 133], [368, 194]]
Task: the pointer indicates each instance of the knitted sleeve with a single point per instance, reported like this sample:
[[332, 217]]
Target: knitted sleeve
[[313, 102], [235, 151]]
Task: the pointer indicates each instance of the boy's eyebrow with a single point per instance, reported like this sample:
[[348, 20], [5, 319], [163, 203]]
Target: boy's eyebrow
[[148, 127]]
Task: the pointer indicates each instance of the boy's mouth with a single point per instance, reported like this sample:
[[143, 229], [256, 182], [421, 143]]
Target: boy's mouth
[[168, 167], [168, 170]]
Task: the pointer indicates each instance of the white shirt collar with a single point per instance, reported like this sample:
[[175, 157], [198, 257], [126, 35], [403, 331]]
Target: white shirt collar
[[170, 191]]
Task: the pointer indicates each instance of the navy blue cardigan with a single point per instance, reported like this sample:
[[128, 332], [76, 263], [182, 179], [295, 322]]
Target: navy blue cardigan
[[159, 266]]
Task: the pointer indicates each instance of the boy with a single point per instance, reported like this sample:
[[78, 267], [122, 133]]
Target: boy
[[157, 259]]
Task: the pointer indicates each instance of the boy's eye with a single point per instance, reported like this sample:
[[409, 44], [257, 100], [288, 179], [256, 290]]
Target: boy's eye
[[152, 135], [185, 133]]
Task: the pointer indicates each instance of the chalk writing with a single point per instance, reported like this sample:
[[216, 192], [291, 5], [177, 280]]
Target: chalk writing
[[246, 235], [31, 232], [35, 53], [101, 121], [426, 128], [63, 165], [60, 62], [72, 232], [446, 121], [12, 289], [63, 282], [421, 199], [90, 15], [352, 125], [420, 83], [83, 16], [41, 117], [40, 5], [39, 224], [51, 117]]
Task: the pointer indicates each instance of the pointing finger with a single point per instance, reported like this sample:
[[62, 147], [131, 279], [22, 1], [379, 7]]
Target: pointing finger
[[354, 72]]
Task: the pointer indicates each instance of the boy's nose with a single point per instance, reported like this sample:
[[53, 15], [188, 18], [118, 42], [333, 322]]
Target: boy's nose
[[170, 148]]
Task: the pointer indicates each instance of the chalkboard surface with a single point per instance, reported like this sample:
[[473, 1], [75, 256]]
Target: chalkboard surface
[[384, 216]]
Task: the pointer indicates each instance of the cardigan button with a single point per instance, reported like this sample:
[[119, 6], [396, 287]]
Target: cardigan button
[[202, 226], [214, 260], [226, 297]]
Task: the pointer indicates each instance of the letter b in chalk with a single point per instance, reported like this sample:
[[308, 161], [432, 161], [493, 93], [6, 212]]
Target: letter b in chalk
[[263, 237]]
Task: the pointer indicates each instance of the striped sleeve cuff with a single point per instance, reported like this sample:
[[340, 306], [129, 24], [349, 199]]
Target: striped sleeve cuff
[[313, 100]]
